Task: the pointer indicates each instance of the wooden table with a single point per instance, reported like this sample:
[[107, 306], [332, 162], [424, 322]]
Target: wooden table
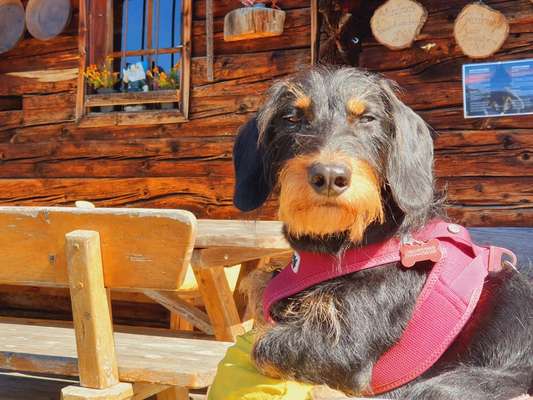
[[219, 244]]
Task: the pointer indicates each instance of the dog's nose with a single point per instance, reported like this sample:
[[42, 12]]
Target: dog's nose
[[329, 179]]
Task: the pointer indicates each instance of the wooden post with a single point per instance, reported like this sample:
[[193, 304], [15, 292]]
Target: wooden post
[[209, 39], [314, 32], [219, 303], [90, 309]]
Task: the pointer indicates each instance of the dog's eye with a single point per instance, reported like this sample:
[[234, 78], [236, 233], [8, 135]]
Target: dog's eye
[[293, 118], [366, 118]]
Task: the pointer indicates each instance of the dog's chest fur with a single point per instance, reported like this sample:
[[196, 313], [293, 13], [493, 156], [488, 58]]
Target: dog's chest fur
[[333, 332]]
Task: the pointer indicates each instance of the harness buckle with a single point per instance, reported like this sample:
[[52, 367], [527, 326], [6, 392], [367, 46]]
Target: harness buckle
[[497, 261]]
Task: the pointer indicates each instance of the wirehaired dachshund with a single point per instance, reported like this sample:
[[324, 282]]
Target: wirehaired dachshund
[[353, 166]]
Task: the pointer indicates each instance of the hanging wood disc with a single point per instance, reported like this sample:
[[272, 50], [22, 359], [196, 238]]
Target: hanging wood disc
[[11, 24], [480, 31], [46, 19], [253, 22], [396, 23]]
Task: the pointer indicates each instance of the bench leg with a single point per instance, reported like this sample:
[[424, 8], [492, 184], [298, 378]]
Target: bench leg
[[120, 391], [97, 363], [174, 393]]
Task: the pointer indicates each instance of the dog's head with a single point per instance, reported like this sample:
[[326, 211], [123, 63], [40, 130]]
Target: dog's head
[[340, 147]]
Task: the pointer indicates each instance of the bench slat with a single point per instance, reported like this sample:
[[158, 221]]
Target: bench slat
[[141, 358], [141, 248]]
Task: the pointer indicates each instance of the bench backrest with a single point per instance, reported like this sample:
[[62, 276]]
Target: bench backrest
[[141, 248]]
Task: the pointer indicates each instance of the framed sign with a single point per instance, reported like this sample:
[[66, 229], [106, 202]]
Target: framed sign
[[498, 89]]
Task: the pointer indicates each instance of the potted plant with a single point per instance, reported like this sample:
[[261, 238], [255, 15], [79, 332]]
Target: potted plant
[[160, 80], [102, 79]]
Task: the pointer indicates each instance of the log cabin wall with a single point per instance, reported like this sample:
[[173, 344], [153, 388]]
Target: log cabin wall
[[485, 163], [46, 159]]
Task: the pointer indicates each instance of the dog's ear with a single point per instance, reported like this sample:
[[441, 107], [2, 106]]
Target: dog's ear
[[252, 187], [409, 165]]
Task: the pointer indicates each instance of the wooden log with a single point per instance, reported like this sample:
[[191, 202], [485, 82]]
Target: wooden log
[[46, 19], [11, 24], [253, 22], [480, 30], [97, 362], [39, 109], [397, 23]]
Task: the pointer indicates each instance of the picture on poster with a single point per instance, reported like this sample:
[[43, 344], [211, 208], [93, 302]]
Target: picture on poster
[[498, 88]]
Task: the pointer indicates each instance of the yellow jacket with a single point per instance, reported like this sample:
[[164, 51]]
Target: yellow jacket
[[238, 379]]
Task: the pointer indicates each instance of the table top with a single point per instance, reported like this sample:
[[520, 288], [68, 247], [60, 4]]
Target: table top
[[240, 233]]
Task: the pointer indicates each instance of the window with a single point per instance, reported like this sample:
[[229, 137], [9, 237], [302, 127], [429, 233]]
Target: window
[[135, 61]]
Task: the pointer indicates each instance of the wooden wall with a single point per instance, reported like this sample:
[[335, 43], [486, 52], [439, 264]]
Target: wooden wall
[[485, 163], [45, 158]]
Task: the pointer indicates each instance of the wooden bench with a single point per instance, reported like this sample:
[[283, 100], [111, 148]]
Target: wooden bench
[[91, 251]]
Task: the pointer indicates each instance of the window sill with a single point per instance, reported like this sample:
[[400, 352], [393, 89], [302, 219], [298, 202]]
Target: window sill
[[122, 99], [121, 118]]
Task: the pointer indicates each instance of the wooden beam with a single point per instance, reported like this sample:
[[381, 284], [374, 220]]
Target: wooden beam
[[209, 39], [120, 391], [172, 302], [174, 393], [315, 32], [82, 50], [97, 362], [185, 83], [110, 99], [145, 52], [142, 390], [219, 303], [229, 256]]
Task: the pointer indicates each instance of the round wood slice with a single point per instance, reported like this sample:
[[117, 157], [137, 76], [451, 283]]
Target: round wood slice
[[46, 19], [253, 22], [11, 24], [396, 23], [480, 31]]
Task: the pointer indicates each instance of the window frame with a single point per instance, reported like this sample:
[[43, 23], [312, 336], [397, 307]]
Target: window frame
[[96, 26]]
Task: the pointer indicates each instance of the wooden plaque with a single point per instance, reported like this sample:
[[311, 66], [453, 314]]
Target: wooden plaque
[[46, 19], [396, 23], [480, 31], [11, 24]]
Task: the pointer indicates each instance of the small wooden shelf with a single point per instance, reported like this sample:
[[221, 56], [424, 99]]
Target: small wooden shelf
[[119, 98]]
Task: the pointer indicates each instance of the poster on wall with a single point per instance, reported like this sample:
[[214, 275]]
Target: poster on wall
[[498, 89]]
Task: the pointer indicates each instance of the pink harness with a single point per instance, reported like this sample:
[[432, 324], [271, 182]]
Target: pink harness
[[445, 304]]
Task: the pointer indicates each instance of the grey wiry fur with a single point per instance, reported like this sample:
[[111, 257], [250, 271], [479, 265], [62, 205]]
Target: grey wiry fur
[[334, 332]]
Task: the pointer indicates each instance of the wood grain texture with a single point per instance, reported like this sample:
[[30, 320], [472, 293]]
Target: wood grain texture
[[140, 248], [119, 391], [168, 360], [93, 326]]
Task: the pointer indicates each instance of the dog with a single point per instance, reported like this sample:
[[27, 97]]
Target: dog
[[353, 168]]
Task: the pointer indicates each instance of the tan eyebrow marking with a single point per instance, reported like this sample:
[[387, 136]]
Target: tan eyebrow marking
[[302, 102], [355, 107]]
